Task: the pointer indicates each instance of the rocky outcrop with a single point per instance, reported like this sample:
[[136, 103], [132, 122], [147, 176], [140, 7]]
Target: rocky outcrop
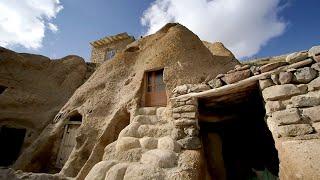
[[110, 98], [36, 88]]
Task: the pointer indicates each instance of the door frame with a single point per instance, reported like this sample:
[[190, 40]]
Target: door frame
[[143, 102]]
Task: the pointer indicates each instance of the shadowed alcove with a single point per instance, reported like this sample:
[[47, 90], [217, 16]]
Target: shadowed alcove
[[237, 142]]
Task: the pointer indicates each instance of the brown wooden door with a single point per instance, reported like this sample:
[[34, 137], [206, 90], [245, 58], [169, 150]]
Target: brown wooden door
[[155, 89]]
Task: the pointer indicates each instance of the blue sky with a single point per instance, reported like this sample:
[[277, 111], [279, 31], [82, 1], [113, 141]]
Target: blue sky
[[290, 25]]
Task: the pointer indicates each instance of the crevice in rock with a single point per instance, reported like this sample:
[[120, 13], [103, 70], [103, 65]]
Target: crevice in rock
[[237, 141]]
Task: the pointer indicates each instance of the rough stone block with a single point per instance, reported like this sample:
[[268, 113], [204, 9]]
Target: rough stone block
[[191, 131], [236, 76], [192, 101], [275, 78], [126, 143], [186, 108], [287, 116], [296, 57], [306, 100], [316, 66], [98, 172], [215, 83], [295, 130], [176, 115], [316, 126], [117, 171], [314, 51], [285, 77], [314, 85], [264, 83], [147, 111], [185, 122], [313, 113], [272, 106], [198, 88], [271, 66], [167, 143], [191, 115], [148, 142], [159, 158], [279, 92], [160, 112], [190, 143], [305, 75]]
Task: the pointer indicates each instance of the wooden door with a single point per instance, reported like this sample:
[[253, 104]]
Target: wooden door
[[155, 89], [67, 144]]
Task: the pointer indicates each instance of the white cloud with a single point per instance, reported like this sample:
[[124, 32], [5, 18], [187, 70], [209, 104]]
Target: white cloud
[[244, 26], [53, 27], [24, 22]]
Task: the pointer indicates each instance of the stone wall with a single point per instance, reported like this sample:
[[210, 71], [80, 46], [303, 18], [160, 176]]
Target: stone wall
[[98, 53], [292, 103]]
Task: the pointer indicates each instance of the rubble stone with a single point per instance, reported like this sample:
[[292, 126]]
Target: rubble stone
[[314, 51], [148, 142], [306, 100], [190, 143], [313, 113], [279, 92], [314, 84], [275, 78], [316, 66], [159, 158], [186, 108], [285, 77], [264, 83], [272, 106], [295, 130], [305, 75], [236, 76], [296, 57], [271, 66], [167, 143], [215, 83], [287, 116]]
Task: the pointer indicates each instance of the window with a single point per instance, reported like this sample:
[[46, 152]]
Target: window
[[110, 54]]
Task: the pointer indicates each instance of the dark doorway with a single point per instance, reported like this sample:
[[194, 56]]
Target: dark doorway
[[11, 140], [155, 89], [2, 88], [237, 141]]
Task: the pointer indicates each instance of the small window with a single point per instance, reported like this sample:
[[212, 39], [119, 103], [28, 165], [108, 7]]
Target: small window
[[76, 118], [110, 54]]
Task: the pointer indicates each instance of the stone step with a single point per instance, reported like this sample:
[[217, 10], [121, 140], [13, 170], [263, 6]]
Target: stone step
[[147, 111], [146, 119]]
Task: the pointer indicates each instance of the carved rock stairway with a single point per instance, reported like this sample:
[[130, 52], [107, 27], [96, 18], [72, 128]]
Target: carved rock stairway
[[145, 149]]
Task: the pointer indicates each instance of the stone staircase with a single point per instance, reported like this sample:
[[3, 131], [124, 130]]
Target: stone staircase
[[145, 149]]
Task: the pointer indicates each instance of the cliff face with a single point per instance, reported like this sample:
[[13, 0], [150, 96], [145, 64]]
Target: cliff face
[[34, 88], [112, 95]]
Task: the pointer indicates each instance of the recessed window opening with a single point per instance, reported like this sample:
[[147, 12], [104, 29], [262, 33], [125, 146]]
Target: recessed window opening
[[76, 117], [110, 54]]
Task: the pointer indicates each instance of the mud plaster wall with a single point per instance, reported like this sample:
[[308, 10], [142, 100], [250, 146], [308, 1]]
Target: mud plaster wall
[[114, 89], [98, 54]]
